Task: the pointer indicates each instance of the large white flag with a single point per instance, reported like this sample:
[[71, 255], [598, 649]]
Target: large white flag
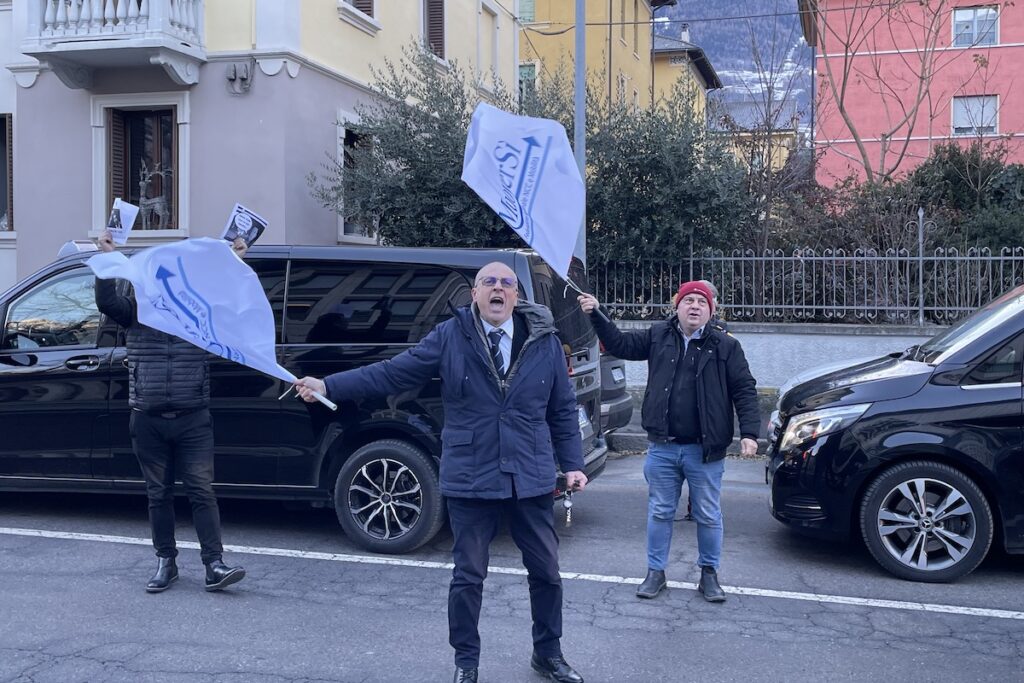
[[524, 169], [200, 291]]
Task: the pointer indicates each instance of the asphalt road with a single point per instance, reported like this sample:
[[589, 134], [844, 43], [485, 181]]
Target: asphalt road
[[316, 608]]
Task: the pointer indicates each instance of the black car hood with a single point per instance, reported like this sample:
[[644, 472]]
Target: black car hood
[[882, 379]]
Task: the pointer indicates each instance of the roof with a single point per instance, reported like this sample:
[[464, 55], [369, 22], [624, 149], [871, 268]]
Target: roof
[[808, 20], [667, 45]]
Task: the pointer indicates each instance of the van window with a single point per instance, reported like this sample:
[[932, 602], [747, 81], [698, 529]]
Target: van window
[[61, 312], [271, 274], [549, 289], [341, 302]]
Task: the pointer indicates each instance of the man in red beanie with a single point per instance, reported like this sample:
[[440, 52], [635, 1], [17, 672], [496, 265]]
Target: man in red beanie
[[697, 376]]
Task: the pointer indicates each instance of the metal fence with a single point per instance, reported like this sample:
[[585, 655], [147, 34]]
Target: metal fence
[[834, 285]]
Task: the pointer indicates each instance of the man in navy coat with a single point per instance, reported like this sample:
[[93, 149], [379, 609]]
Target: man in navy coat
[[510, 414]]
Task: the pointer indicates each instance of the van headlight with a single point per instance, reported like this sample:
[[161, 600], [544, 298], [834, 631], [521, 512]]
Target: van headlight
[[808, 426]]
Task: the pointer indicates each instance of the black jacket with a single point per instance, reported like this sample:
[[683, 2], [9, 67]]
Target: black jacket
[[165, 372], [724, 381]]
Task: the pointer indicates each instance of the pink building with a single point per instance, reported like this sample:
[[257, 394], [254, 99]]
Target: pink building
[[896, 78]]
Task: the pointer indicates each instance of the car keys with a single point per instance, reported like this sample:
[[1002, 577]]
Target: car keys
[[567, 504]]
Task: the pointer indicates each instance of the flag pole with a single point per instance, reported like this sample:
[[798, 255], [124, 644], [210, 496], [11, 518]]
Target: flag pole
[[580, 120]]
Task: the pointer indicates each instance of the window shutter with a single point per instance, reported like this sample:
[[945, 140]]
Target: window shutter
[[116, 161], [364, 6], [9, 124], [434, 26]]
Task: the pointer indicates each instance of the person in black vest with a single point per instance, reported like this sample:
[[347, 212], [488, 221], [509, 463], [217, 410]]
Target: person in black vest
[[697, 376], [509, 416], [172, 434]]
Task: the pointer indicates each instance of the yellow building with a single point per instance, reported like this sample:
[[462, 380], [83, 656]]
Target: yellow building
[[618, 45], [679, 63]]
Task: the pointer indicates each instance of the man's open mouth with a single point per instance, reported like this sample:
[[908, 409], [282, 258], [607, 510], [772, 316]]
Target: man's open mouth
[[496, 301]]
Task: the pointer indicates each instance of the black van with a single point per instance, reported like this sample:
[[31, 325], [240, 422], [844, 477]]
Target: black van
[[64, 385], [921, 453]]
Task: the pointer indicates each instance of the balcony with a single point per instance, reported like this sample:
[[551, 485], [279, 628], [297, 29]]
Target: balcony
[[76, 38]]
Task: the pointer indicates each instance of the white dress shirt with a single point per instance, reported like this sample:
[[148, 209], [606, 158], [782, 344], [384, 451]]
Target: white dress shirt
[[505, 345]]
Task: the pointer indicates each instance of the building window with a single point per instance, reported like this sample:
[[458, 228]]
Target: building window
[[7, 173], [142, 164], [352, 229], [973, 26], [636, 100], [527, 11], [488, 44], [527, 81], [622, 20], [433, 26], [636, 27], [975, 115]]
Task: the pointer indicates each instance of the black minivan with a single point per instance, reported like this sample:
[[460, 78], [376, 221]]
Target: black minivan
[[64, 384], [921, 453]]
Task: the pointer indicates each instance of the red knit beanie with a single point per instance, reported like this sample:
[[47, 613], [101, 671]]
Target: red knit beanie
[[694, 287]]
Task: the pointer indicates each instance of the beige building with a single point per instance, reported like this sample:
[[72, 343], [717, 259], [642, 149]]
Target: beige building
[[679, 63], [185, 107], [618, 44]]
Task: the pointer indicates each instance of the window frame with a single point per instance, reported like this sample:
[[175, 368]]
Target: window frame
[[527, 16], [344, 237], [975, 132], [974, 26], [7, 121], [100, 104], [519, 77], [353, 12], [425, 26], [488, 7]]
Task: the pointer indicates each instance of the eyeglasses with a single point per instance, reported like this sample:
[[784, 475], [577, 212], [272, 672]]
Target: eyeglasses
[[506, 282]]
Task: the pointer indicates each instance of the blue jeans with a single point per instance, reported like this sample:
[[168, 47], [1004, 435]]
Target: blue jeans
[[666, 467]]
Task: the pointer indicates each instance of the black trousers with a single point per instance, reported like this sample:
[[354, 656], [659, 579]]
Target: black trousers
[[181, 447], [475, 523]]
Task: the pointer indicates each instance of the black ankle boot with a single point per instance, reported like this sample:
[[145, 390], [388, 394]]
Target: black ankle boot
[[709, 586], [652, 585], [166, 574], [219, 575]]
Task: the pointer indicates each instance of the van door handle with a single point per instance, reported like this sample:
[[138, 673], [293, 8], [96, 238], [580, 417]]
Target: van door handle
[[83, 363]]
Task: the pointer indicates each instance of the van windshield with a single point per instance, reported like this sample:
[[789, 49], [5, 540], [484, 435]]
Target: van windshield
[[549, 289], [971, 328]]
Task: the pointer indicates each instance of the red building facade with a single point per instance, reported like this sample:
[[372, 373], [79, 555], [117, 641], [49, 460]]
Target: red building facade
[[894, 79]]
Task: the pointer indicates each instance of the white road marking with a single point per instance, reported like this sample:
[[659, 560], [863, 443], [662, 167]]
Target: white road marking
[[516, 571]]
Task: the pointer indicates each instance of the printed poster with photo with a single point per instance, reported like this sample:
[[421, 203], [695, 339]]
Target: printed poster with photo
[[245, 224], [122, 218]]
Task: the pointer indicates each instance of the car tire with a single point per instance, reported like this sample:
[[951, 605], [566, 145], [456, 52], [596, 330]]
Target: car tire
[[387, 497], [942, 539]]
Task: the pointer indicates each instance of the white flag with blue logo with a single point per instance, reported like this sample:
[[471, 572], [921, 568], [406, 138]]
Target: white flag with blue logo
[[200, 291], [524, 169]]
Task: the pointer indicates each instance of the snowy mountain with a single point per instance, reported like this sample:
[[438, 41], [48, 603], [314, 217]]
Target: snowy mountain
[[756, 46]]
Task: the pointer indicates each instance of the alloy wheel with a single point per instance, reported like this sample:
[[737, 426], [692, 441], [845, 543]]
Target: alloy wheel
[[926, 524], [385, 498]]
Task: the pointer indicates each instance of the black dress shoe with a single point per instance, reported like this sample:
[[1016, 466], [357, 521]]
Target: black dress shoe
[[166, 574], [464, 675], [652, 585], [219, 575], [555, 669], [709, 586]]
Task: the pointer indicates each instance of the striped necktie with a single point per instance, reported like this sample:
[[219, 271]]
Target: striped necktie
[[499, 363]]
